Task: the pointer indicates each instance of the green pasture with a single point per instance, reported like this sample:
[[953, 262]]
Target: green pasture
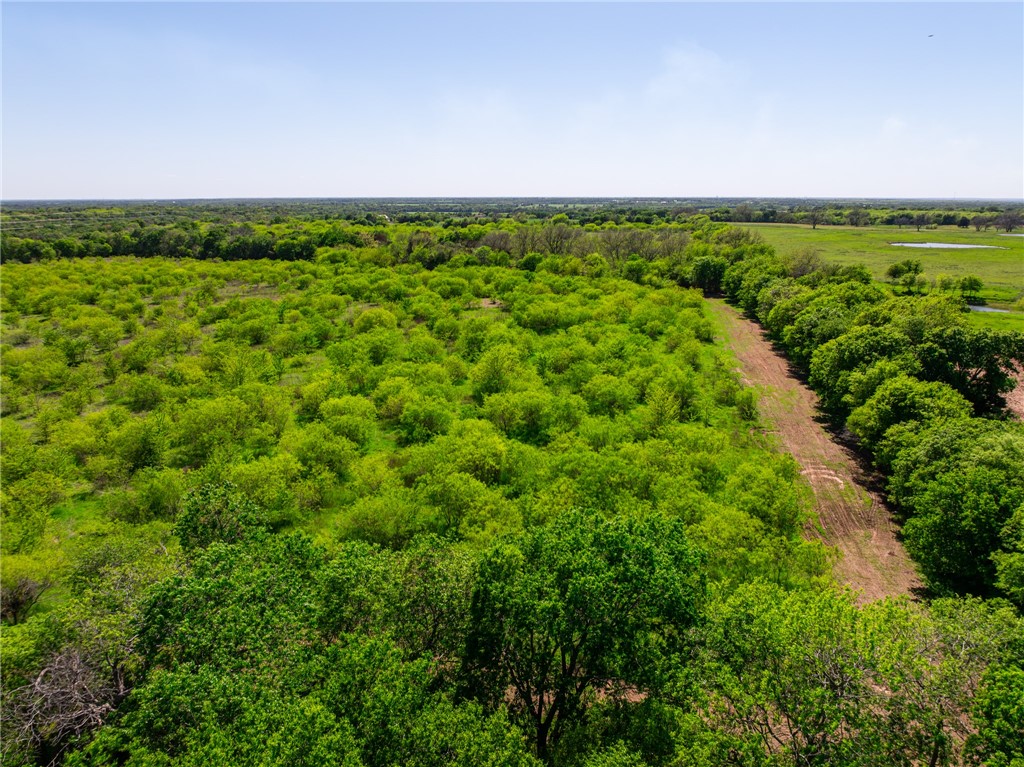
[[1002, 271], [999, 321]]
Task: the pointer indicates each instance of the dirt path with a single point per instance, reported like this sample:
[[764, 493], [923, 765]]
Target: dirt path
[[851, 518]]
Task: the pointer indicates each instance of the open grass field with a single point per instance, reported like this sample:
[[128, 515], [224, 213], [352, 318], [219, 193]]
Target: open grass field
[[999, 321], [1002, 270]]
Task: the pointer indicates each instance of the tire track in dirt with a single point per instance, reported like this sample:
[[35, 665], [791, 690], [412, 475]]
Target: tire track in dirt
[[852, 518]]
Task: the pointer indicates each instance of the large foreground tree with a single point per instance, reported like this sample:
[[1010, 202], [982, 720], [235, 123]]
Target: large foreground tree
[[582, 609]]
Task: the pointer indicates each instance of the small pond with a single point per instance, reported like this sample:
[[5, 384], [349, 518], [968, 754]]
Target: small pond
[[988, 309], [942, 245]]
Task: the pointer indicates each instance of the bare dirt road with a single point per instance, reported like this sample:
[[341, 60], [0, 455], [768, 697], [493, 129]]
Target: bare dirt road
[[851, 518]]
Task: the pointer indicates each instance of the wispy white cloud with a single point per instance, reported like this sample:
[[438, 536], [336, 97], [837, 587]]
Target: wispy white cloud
[[688, 69], [893, 127]]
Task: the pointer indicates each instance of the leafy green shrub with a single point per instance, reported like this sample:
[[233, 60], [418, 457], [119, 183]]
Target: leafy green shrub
[[904, 399], [156, 494], [318, 448], [26, 509], [373, 319], [422, 419], [140, 392], [217, 513], [746, 404]]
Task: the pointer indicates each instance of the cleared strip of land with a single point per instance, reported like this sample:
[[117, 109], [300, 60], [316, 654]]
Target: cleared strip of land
[[851, 518]]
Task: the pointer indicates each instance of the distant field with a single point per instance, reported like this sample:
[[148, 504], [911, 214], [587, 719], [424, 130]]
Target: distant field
[[1008, 321], [1002, 271]]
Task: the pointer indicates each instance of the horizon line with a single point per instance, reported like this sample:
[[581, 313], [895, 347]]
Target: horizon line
[[595, 198]]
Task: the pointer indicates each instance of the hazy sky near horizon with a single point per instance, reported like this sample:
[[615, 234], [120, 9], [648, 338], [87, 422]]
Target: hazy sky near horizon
[[190, 100]]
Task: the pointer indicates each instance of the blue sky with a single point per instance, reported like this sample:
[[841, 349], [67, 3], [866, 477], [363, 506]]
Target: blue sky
[[170, 100]]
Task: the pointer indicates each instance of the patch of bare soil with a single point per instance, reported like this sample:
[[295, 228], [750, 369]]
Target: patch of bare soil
[[852, 517], [1015, 399], [234, 288]]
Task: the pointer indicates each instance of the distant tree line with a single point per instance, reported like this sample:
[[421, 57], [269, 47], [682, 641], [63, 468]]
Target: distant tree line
[[293, 231], [840, 215]]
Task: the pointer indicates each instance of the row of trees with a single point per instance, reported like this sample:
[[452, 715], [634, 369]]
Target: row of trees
[[923, 392], [909, 274], [839, 215]]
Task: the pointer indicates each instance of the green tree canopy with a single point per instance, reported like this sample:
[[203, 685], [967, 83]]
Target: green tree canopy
[[583, 607]]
